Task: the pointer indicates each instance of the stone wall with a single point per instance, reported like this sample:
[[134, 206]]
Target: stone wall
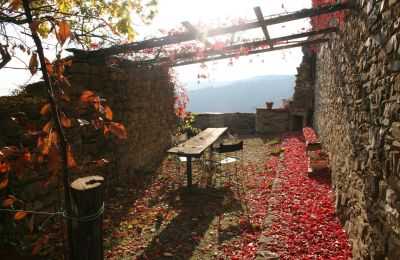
[[141, 98], [272, 120], [238, 123], [357, 105]]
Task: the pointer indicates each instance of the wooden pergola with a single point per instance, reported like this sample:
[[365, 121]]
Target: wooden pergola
[[229, 51]]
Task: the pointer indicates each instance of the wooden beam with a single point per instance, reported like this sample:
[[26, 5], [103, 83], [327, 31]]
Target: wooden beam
[[283, 47], [249, 45], [202, 38], [189, 36], [260, 19]]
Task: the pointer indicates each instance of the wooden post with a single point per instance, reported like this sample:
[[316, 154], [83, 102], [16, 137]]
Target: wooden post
[[87, 194], [189, 171]]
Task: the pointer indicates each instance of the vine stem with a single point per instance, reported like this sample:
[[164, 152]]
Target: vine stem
[[59, 129]]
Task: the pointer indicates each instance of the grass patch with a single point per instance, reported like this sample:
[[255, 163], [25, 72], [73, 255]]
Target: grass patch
[[276, 140], [276, 151]]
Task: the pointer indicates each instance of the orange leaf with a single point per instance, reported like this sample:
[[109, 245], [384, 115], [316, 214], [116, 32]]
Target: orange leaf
[[118, 130], [31, 223], [9, 201], [33, 64], [49, 66], [14, 5], [109, 113], [28, 156], [34, 26], [86, 96], [20, 166], [46, 108], [4, 182], [20, 215], [47, 127], [5, 167], [66, 122], [70, 159], [53, 138], [64, 31], [44, 145], [64, 98], [106, 130]]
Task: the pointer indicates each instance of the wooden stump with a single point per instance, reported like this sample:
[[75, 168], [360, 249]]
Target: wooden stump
[[87, 194]]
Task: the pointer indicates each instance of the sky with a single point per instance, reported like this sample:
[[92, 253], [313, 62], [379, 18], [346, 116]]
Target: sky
[[170, 15]]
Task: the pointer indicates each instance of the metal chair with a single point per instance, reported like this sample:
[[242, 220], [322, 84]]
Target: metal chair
[[228, 154]]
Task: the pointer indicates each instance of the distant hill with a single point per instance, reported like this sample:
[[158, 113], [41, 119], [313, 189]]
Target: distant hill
[[240, 96]]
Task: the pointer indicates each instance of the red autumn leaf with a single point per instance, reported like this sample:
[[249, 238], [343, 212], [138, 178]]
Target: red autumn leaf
[[5, 167], [46, 108], [86, 96], [49, 66], [20, 215], [14, 5], [33, 64], [66, 122], [108, 113], [64, 31], [4, 182], [118, 130], [9, 201]]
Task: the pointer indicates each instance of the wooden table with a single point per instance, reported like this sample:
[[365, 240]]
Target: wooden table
[[195, 147]]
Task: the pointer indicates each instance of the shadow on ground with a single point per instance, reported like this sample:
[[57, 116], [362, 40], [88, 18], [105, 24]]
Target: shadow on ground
[[198, 208]]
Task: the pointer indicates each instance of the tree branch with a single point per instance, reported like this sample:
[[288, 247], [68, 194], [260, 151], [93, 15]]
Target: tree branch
[[59, 129]]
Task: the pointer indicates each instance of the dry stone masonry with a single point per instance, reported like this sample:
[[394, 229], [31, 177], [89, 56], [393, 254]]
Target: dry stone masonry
[[141, 98], [356, 114]]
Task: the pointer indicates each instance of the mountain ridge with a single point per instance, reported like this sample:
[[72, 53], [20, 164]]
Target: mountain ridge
[[241, 96]]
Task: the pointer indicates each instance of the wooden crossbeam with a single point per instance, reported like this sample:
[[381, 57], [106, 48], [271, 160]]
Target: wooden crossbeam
[[193, 29], [189, 36], [277, 48], [260, 19], [250, 45]]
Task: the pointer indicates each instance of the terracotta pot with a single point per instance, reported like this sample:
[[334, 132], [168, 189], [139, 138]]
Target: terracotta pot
[[269, 105]]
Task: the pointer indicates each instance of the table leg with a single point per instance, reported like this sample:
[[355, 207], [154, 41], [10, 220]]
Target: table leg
[[189, 171]]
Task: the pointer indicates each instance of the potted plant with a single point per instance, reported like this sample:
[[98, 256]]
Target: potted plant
[[269, 105]]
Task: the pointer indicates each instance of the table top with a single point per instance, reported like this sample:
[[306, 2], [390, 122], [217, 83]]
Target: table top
[[196, 145]]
